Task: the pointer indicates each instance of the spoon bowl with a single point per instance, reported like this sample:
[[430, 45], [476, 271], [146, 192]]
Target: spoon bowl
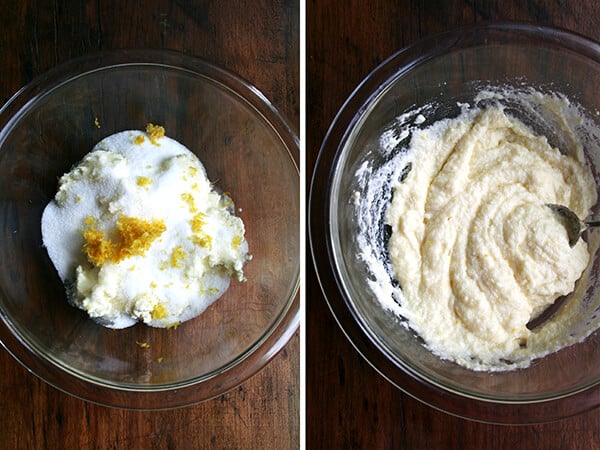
[[572, 223]]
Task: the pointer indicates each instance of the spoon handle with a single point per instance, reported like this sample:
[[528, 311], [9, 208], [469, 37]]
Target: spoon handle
[[592, 224]]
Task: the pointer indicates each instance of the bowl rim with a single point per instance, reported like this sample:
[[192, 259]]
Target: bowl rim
[[221, 379], [320, 203]]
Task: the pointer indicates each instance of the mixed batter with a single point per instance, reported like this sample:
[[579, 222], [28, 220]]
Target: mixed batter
[[474, 248]]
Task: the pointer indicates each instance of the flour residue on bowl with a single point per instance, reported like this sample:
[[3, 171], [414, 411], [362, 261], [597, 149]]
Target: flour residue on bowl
[[456, 235]]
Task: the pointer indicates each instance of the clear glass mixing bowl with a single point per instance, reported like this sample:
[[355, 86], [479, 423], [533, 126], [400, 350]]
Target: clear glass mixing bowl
[[247, 149], [446, 70]]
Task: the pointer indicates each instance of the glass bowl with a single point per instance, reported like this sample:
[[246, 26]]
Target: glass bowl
[[247, 149], [448, 70]]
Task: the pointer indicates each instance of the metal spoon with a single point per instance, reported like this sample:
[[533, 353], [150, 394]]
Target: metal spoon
[[573, 224]]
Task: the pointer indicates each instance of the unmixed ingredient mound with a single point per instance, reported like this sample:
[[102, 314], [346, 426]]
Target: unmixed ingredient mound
[[137, 232]]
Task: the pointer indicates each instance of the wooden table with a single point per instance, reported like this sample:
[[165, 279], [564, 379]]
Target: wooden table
[[259, 40], [348, 404]]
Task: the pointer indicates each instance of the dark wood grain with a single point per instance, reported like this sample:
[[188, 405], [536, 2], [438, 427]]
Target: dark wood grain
[[259, 40], [349, 405]]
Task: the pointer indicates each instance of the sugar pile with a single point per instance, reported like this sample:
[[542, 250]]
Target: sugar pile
[[137, 232]]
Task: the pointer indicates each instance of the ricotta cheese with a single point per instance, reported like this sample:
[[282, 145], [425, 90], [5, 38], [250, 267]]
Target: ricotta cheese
[[452, 227], [475, 249], [137, 232]]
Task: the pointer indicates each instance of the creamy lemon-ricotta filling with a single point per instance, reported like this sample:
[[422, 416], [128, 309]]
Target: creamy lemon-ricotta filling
[[475, 250], [137, 232]]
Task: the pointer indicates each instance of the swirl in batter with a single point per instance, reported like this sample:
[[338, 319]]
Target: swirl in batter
[[475, 250]]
